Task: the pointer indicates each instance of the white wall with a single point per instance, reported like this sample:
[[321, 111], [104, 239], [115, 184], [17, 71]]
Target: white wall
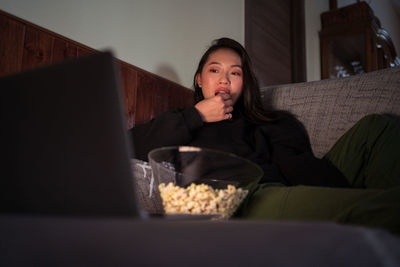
[[166, 37]]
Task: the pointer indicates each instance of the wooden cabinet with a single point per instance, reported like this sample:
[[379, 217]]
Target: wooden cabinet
[[352, 42]]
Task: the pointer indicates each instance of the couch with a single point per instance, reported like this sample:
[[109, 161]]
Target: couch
[[327, 109]]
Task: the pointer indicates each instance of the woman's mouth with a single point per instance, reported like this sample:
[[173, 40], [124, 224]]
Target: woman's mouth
[[222, 91]]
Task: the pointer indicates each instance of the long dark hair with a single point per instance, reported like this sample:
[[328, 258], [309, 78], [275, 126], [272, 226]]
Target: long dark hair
[[249, 103]]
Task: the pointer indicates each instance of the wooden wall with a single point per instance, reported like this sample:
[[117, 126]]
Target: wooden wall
[[275, 40], [25, 46]]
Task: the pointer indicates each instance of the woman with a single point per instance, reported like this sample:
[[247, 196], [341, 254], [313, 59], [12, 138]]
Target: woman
[[228, 115]]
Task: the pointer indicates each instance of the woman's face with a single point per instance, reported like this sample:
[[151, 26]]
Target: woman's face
[[222, 72]]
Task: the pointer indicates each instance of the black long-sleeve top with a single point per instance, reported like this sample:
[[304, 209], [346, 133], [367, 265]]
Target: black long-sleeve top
[[281, 147]]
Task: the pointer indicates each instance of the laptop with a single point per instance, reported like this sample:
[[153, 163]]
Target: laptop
[[64, 141]]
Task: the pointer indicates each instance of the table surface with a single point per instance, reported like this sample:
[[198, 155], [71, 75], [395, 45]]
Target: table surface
[[67, 241]]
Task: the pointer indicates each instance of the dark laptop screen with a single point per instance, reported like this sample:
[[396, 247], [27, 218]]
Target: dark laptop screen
[[63, 141]]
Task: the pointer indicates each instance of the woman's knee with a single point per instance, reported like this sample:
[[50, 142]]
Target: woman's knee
[[377, 120]]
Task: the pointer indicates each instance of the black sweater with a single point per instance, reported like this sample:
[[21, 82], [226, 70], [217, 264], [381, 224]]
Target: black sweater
[[281, 148]]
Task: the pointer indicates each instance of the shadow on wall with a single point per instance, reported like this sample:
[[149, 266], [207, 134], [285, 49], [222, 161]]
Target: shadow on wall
[[168, 72]]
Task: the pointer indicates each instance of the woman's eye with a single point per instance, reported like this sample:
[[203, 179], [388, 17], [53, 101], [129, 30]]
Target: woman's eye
[[213, 70], [236, 73]]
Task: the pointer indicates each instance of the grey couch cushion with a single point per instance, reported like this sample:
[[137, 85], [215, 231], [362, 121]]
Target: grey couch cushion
[[328, 108]]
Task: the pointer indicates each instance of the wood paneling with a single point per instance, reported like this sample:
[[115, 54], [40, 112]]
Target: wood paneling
[[129, 90], [38, 47], [144, 98], [160, 99], [24, 46], [298, 41], [176, 98], [11, 45], [85, 51], [189, 98], [63, 50], [274, 39]]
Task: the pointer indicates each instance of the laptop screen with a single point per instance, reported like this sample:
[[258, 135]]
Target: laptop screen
[[64, 144]]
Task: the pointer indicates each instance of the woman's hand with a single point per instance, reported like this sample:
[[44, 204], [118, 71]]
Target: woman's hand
[[216, 108]]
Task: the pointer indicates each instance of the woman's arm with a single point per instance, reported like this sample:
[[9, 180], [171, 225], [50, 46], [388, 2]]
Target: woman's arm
[[171, 128], [291, 151]]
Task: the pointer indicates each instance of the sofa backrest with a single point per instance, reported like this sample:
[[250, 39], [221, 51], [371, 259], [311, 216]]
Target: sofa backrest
[[328, 108]]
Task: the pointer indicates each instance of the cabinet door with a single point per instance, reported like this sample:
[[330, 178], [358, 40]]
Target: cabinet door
[[345, 56]]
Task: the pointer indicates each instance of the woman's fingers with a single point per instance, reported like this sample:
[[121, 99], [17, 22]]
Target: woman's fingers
[[216, 108], [226, 98], [228, 116], [228, 109], [228, 113]]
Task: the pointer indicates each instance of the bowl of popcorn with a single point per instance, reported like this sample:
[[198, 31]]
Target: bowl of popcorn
[[201, 181]]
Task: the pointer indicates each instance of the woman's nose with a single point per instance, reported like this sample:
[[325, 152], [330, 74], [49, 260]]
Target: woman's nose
[[224, 79]]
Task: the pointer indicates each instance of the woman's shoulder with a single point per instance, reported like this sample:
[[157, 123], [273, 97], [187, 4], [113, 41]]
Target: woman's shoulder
[[280, 117], [286, 117], [283, 121], [286, 129]]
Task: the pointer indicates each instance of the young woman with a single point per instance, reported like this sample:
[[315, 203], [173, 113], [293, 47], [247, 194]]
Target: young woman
[[228, 115]]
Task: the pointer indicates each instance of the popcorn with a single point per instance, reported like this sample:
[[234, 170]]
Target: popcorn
[[201, 199]]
